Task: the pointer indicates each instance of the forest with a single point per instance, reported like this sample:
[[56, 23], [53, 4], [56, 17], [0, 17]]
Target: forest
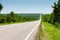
[[15, 17]]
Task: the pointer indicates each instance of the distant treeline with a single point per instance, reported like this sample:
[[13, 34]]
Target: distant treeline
[[8, 18]]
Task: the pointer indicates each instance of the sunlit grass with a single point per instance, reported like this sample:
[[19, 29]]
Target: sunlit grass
[[52, 32]]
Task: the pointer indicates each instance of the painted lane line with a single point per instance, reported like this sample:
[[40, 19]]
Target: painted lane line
[[32, 31]]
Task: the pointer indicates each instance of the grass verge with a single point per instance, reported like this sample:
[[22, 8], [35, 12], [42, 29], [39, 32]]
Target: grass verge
[[40, 34], [52, 32]]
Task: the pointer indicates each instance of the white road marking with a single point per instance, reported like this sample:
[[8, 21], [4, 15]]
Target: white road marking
[[31, 31]]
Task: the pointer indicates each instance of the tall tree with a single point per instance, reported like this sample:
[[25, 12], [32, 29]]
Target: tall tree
[[12, 13], [59, 11], [56, 12], [1, 7]]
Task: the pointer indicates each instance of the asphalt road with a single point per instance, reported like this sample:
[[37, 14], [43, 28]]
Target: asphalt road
[[20, 31]]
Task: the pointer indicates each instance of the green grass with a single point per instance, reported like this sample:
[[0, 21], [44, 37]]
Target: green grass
[[52, 32], [40, 33]]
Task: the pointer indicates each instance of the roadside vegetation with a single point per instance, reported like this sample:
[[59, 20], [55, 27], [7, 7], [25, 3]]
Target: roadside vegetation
[[40, 34], [52, 32], [51, 23], [15, 17]]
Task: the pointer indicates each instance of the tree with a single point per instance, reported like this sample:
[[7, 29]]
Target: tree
[[59, 11], [9, 18], [2, 20], [56, 12], [12, 16], [12, 13], [1, 7]]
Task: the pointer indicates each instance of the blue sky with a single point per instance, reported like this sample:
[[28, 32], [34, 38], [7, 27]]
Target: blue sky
[[27, 6]]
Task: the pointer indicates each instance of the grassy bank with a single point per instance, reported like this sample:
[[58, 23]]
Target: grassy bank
[[40, 33], [52, 32]]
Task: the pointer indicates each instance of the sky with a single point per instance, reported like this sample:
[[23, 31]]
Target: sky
[[27, 6]]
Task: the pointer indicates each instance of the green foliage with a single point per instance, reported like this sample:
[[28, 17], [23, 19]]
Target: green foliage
[[9, 18], [56, 12], [2, 20], [12, 13], [54, 18], [47, 18], [1, 7], [57, 25]]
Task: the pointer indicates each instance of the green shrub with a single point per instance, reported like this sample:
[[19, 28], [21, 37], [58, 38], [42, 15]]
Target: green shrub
[[2, 20], [57, 25]]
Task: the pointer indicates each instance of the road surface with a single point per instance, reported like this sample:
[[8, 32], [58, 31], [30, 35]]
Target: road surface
[[20, 31]]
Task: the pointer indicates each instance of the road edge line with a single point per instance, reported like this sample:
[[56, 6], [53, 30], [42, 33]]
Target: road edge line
[[31, 31]]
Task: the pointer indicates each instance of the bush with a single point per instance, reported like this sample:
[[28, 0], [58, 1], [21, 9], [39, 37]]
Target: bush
[[9, 18], [2, 20], [57, 25]]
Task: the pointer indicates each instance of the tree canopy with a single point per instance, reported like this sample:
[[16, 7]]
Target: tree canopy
[[1, 7], [56, 12]]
